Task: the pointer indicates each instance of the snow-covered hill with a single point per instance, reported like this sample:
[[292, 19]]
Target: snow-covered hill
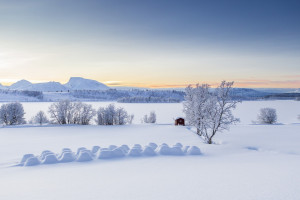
[[78, 83], [2, 87], [75, 83], [48, 87], [43, 87], [20, 85]]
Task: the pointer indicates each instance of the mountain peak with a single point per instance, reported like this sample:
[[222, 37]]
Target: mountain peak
[[79, 83], [20, 85]]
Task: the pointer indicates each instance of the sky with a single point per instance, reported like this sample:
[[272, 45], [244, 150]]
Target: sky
[[152, 43]]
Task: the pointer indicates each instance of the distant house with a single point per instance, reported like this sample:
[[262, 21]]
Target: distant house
[[179, 121]]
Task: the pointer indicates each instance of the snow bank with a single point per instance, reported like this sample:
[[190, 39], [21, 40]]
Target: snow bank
[[95, 149], [50, 159], [149, 151], [105, 153], [112, 147], [194, 151], [118, 152], [79, 150], [66, 157], [84, 156], [153, 145], [25, 157], [45, 153], [32, 161], [135, 152], [113, 151], [125, 148]]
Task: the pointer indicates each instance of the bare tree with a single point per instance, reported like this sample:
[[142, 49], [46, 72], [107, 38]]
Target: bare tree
[[267, 116], [151, 118], [12, 114], [210, 112], [121, 116], [66, 112], [40, 118], [111, 115], [130, 119], [87, 114], [59, 112]]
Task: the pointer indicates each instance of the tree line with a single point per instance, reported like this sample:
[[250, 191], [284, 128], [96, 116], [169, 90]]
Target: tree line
[[67, 112]]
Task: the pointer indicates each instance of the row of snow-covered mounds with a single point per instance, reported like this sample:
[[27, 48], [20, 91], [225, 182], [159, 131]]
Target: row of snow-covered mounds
[[84, 155]]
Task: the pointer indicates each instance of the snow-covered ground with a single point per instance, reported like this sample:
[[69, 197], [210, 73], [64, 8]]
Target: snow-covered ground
[[248, 162], [247, 111]]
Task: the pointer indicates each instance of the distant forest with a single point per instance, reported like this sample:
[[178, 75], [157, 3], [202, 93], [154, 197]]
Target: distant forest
[[138, 95]]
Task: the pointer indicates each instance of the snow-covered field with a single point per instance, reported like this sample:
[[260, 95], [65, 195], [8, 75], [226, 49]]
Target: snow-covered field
[[248, 162]]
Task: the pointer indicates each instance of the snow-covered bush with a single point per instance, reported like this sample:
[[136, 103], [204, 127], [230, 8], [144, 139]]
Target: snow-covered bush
[[209, 112], [67, 112], [111, 115], [151, 118], [267, 116], [40, 118], [12, 114]]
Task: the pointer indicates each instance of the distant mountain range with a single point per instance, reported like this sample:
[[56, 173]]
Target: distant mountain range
[[78, 83], [81, 89], [75, 83]]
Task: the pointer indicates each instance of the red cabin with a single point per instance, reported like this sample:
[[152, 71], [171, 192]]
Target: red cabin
[[179, 121]]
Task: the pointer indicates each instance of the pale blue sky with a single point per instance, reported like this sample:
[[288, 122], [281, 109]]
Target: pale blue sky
[[156, 43]]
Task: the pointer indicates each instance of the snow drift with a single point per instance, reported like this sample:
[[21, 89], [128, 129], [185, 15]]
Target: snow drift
[[84, 155]]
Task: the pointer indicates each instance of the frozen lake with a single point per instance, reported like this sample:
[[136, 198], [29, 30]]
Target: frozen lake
[[247, 111]]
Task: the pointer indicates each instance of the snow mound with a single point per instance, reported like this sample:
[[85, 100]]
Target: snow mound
[[153, 145], [25, 157], [84, 156], [194, 151], [66, 157], [32, 161], [105, 153], [176, 151], [95, 149], [50, 159], [185, 150], [149, 151], [164, 149], [125, 148], [113, 151], [137, 146], [45, 153], [118, 152], [178, 144], [135, 152], [66, 150], [112, 147], [80, 149]]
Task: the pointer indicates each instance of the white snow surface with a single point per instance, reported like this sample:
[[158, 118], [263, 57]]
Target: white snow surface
[[260, 162]]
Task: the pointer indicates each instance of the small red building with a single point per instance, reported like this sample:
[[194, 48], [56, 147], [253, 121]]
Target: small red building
[[179, 121]]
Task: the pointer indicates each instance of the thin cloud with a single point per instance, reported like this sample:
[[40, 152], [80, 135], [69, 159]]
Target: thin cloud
[[291, 76], [269, 83]]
